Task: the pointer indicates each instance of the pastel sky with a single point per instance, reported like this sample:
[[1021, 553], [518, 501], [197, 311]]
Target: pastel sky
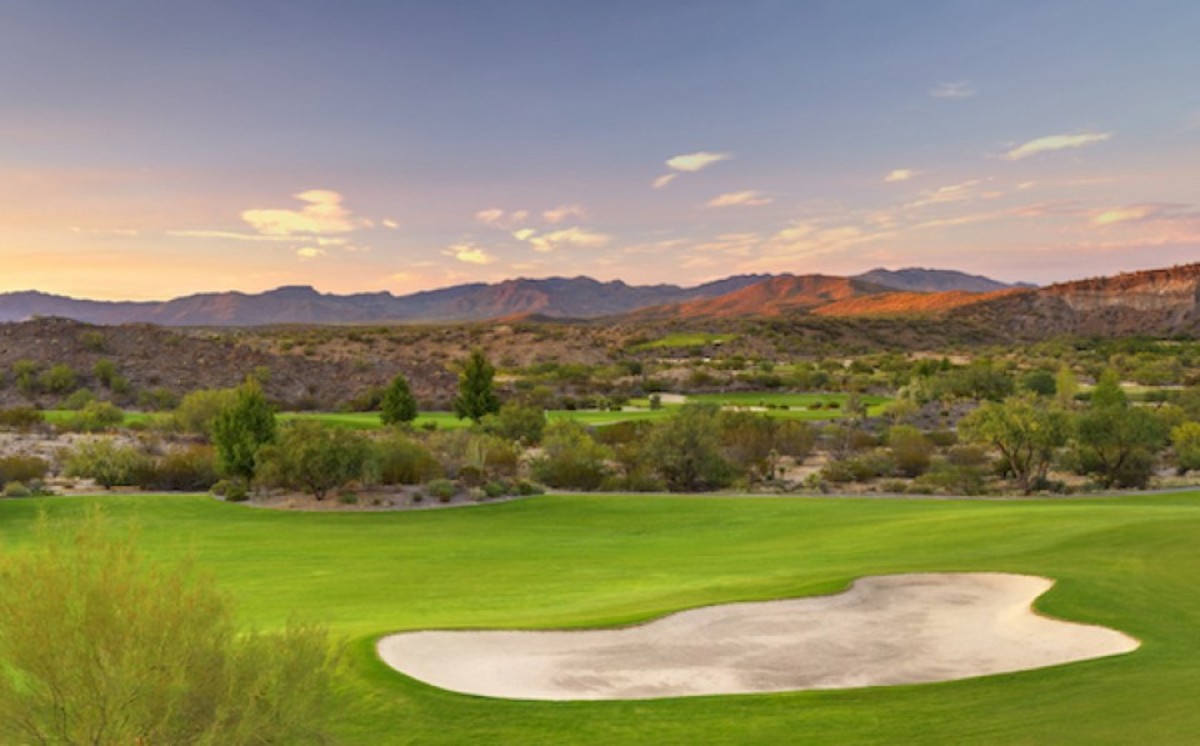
[[155, 149]]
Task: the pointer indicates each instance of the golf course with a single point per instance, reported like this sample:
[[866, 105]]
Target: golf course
[[562, 562]]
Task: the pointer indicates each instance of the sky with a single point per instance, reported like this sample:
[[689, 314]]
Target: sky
[[155, 149]]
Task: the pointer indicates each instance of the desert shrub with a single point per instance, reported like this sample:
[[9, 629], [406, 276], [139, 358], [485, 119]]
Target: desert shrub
[[526, 488], [106, 461], [496, 489], [442, 489], [78, 399], [314, 458], [233, 490], [685, 449], [198, 410], [96, 417], [58, 379], [158, 399], [570, 458], [862, 467], [104, 371], [403, 460], [1185, 437], [910, 450], [24, 374], [19, 468], [517, 422], [17, 489], [101, 646], [189, 469], [20, 418]]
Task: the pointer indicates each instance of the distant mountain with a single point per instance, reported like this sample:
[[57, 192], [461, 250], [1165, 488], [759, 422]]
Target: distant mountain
[[555, 297], [773, 296], [920, 280]]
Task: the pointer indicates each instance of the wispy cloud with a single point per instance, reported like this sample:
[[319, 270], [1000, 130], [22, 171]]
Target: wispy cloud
[[562, 212], [309, 252], [468, 252], [322, 214], [389, 223], [688, 163], [573, 237], [1051, 143], [957, 89], [1143, 213], [899, 174], [503, 219], [748, 198], [948, 193]]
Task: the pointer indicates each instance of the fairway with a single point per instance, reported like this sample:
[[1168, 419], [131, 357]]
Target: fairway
[[571, 562]]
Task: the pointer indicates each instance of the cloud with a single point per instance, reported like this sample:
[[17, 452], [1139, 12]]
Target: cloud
[[309, 252], [663, 180], [571, 237], [254, 237], [322, 214], [562, 212], [956, 90], [468, 252], [490, 216], [389, 223], [524, 234], [688, 163], [748, 198], [949, 193], [1143, 213], [505, 220], [899, 174], [1056, 142]]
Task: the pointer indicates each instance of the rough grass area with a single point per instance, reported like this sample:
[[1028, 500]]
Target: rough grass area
[[1128, 563], [685, 339]]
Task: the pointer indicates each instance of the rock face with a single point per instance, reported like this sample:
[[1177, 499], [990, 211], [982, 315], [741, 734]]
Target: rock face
[[1159, 302]]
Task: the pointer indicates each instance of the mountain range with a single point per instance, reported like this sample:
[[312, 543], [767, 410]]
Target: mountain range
[[551, 298]]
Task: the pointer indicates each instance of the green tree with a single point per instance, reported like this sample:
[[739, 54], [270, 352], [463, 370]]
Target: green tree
[[476, 396], [1115, 442], [107, 462], [100, 646], [398, 404], [198, 410], [911, 450], [1024, 430], [571, 458], [59, 379], [686, 450], [1185, 437], [315, 458], [1066, 386], [241, 427], [517, 422]]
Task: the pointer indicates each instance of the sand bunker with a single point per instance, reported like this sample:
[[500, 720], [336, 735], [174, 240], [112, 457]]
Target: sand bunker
[[895, 629]]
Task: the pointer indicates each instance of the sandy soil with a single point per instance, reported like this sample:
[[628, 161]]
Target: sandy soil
[[895, 629]]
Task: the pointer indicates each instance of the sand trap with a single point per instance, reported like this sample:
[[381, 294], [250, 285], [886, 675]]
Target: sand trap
[[894, 629]]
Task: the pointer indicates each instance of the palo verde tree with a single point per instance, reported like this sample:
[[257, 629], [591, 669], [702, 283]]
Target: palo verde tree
[[398, 404], [1117, 443], [100, 646], [241, 427], [476, 395], [1024, 430]]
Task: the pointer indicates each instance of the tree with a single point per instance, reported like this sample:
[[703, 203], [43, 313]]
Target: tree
[[476, 397], [1024, 430], [911, 450], [1186, 439], [198, 410], [313, 457], [107, 462], [241, 427], [517, 422], [686, 450], [100, 646], [398, 404], [571, 458], [1116, 442], [1066, 386]]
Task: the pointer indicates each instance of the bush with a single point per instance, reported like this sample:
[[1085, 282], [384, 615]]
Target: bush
[[198, 410], [100, 646], [17, 489], [106, 461], [685, 450], [241, 427], [442, 489], [26, 469], [517, 422], [59, 379], [78, 400], [313, 457], [233, 490], [402, 460], [20, 418], [190, 469], [96, 417], [910, 450], [570, 458]]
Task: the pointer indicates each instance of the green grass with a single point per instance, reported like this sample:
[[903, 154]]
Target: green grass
[[685, 339], [1128, 563]]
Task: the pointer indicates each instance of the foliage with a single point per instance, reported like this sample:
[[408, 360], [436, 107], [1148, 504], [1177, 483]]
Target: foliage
[[106, 461], [188, 469], [1040, 382], [476, 397], [571, 458], [1024, 430], [242, 426], [25, 469], [1185, 438], [403, 460], [58, 379], [686, 450], [398, 404], [100, 646], [1116, 443], [198, 410], [518, 422], [95, 417], [910, 449], [20, 418], [313, 457]]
